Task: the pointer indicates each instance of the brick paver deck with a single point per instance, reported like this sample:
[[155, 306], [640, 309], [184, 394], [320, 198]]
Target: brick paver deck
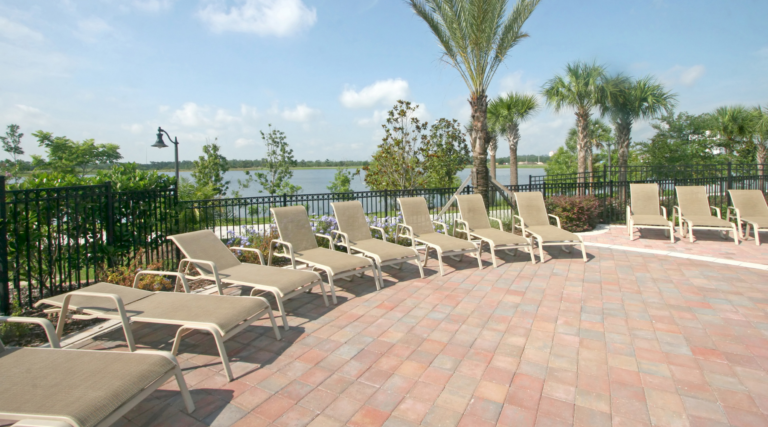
[[629, 339]]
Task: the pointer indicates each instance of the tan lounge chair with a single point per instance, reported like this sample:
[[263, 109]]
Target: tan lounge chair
[[646, 212], [694, 211], [750, 208], [215, 261], [534, 220], [299, 243], [222, 316], [79, 388], [356, 236], [419, 228], [476, 224]]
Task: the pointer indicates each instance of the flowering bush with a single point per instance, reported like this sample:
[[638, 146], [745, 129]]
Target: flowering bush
[[576, 213], [124, 275], [256, 239]]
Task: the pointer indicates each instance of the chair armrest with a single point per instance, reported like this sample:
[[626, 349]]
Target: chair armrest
[[557, 218], [179, 277], [118, 304], [380, 230], [53, 339], [323, 236], [521, 226], [501, 224], [629, 214], [288, 246], [439, 223], [240, 248], [677, 212], [464, 227], [736, 213], [408, 235], [202, 261], [664, 212], [716, 210], [344, 239]]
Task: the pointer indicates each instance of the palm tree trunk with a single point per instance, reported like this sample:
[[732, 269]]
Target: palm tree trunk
[[492, 154], [762, 157], [623, 134], [582, 126], [479, 104], [513, 136]]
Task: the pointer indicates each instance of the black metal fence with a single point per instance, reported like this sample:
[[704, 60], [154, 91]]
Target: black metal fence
[[56, 239]]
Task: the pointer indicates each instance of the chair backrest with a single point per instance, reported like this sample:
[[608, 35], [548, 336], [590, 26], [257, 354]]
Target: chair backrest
[[351, 220], [750, 203], [472, 211], [532, 209], [294, 227], [693, 200], [205, 245], [416, 214], [645, 199]]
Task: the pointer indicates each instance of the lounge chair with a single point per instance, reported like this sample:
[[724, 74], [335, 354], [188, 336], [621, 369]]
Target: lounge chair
[[215, 261], [534, 220], [222, 316], [646, 212], [418, 227], [476, 224], [299, 243], [80, 388], [750, 208], [694, 211], [356, 236]]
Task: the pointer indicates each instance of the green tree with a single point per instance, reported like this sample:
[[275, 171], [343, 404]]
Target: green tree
[[476, 36], [413, 155], [731, 128], [278, 163], [342, 181], [679, 139], [759, 131], [582, 88], [209, 169], [72, 157], [505, 114], [12, 145], [565, 159], [631, 100]]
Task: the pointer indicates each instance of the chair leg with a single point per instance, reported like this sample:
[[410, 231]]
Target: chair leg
[[282, 310], [274, 324], [583, 251], [190, 405], [493, 255], [440, 261], [629, 230], [322, 290], [177, 340], [418, 264], [531, 251], [426, 255], [541, 251], [565, 249], [671, 232], [222, 353], [376, 275], [735, 234], [757, 236], [333, 289], [480, 258], [690, 232]]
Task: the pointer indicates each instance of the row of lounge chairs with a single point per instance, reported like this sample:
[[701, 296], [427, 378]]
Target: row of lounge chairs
[[693, 211], [102, 386]]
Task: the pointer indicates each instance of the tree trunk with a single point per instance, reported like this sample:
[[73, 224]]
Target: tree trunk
[[582, 126], [513, 136], [762, 157], [623, 128], [479, 104], [492, 154]]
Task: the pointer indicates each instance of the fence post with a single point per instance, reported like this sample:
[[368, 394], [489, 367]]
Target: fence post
[[530, 183], [5, 294], [285, 200], [110, 221], [728, 186], [386, 203]]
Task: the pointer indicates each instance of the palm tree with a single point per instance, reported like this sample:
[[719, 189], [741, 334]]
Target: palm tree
[[582, 88], [628, 101], [599, 134], [493, 146], [731, 125], [476, 36], [505, 114], [760, 134]]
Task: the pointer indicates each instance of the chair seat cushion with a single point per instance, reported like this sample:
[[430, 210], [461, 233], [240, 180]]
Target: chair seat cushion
[[267, 278], [85, 386], [386, 251], [96, 305], [446, 243], [550, 233], [336, 262], [653, 220], [499, 237], [707, 221]]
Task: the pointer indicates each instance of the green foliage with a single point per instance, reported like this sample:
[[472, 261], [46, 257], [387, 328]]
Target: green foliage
[[731, 128], [189, 190], [342, 181], [124, 177], [12, 145], [413, 155], [13, 331], [209, 170], [565, 160], [279, 160], [71, 157], [680, 139], [576, 214]]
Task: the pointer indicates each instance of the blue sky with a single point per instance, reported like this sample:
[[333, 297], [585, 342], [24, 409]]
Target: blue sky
[[326, 71]]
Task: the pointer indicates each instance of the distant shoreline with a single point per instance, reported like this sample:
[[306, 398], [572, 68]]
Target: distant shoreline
[[336, 167]]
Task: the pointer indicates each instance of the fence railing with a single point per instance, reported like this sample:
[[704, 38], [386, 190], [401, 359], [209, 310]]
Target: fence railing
[[57, 239]]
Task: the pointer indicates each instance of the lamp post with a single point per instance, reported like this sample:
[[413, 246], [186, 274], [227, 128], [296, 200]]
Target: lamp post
[[161, 144]]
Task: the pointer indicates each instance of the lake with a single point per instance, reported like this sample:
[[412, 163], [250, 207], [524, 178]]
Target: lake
[[314, 181]]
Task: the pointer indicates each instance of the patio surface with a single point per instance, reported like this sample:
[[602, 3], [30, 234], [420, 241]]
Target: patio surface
[[629, 338]]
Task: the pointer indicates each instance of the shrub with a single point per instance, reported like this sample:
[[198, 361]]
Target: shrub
[[124, 275], [576, 213]]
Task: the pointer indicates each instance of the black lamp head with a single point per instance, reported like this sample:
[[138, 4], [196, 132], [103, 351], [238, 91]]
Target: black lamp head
[[159, 143]]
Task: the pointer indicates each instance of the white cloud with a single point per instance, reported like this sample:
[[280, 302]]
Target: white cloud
[[279, 18], [686, 76], [152, 5], [514, 83], [382, 92], [28, 109], [18, 32], [248, 111], [301, 113], [135, 128], [243, 142], [378, 118], [92, 29], [192, 115]]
